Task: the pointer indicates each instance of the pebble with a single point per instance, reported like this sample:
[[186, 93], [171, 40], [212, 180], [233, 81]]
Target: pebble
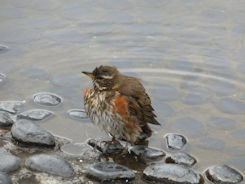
[[50, 164], [8, 162], [175, 141], [223, 174], [172, 173], [2, 78], [28, 132], [106, 146], [11, 106], [35, 114], [4, 178], [5, 119], [48, 99], [180, 158], [107, 171], [78, 114], [147, 154]]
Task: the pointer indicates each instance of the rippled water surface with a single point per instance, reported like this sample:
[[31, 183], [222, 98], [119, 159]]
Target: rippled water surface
[[189, 54]]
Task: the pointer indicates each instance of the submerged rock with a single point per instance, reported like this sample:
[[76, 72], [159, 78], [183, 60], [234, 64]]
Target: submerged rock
[[172, 173], [35, 114], [175, 141], [3, 48], [107, 171], [147, 154], [28, 132], [78, 114], [50, 164], [2, 78], [5, 119], [223, 174], [8, 162], [106, 146], [49, 99], [4, 178], [11, 106], [180, 158]]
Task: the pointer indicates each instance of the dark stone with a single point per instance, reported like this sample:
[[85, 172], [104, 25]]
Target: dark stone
[[188, 126], [223, 174], [172, 173], [4, 178], [8, 162], [180, 158], [35, 114], [50, 164], [5, 119], [78, 114], [11, 106], [49, 99], [28, 132], [3, 48], [222, 123], [231, 106], [175, 141], [2, 78], [107, 171], [147, 154], [106, 146]]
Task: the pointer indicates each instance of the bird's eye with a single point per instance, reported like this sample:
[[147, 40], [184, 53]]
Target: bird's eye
[[100, 78]]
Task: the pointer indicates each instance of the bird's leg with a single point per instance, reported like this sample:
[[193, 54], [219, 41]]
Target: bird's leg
[[125, 149]]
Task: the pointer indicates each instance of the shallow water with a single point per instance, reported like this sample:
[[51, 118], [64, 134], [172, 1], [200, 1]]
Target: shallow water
[[189, 55]]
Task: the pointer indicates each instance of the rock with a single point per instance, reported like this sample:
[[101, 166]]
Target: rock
[[4, 178], [180, 158], [231, 106], [3, 48], [50, 164], [175, 141], [28, 132], [223, 174], [172, 173], [78, 114], [35, 114], [48, 99], [5, 119], [2, 78], [107, 171], [8, 162], [106, 146], [147, 154], [11, 106]]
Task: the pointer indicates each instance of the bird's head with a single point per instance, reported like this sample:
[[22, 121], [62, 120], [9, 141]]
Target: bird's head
[[104, 77]]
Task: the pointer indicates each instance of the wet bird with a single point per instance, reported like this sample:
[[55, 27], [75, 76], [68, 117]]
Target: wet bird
[[119, 105]]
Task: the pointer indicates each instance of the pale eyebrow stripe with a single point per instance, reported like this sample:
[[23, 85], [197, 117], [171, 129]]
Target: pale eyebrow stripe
[[106, 77]]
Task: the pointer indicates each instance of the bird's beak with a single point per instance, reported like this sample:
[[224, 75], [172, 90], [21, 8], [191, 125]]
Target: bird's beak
[[89, 74]]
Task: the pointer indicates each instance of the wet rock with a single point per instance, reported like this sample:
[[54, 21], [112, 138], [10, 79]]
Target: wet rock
[[147, 154], [106, 171], [8, 162], [28, 132], [223, 174], [35, 114], [231, 106], [78, 114], [48, 99], [106, 146], [5, 119], [4, 178], [11, 106], [180, 158], [172, 173], [2, 78], [175, 141], [50, 164]]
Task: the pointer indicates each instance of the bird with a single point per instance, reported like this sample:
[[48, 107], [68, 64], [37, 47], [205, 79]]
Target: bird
[[119, 105]]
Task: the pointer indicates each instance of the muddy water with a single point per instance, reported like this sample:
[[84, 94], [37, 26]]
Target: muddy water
[[189, 55]]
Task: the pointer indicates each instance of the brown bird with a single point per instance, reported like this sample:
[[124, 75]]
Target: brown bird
[[119, 105]]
